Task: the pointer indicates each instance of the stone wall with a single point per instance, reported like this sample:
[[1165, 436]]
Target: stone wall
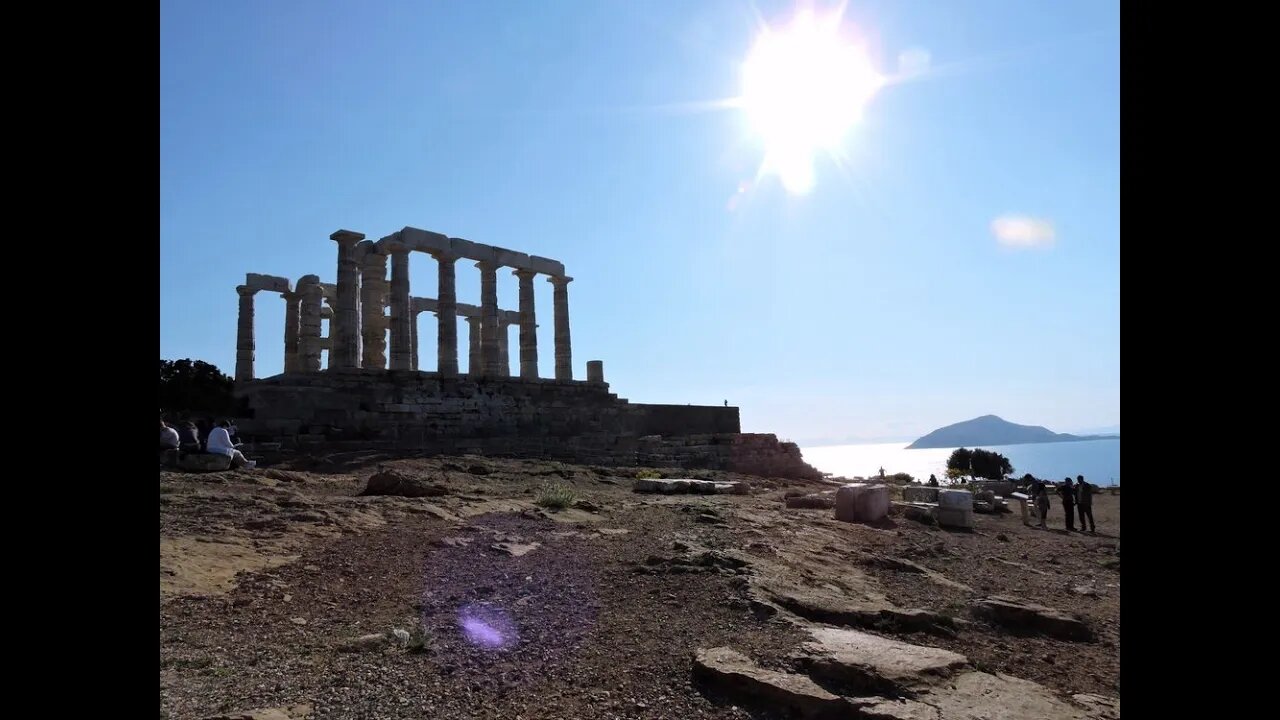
[[555, 419]]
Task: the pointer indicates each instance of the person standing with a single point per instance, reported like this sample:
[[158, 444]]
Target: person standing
[[1042, 503], [1084, 502], [1068, 493]]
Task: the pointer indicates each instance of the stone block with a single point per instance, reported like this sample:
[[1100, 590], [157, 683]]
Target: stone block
[[425, 240], [955, 499], [955, 517], [916, 493], [860, 502]]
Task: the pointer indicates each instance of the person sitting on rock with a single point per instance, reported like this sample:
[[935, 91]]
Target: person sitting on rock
[[168, 437], [220, 444], [933, 480], [189, 438]]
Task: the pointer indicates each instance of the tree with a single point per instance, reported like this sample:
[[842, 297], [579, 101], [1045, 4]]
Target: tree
[[978, 463], [195, 386]]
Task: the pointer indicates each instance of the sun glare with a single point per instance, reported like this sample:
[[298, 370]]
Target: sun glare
[[803, 87]]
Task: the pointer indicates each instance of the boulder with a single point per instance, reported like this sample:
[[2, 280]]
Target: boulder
[[1025, 618], [736, 675], [394, 482], [860, 502], [205, 462]]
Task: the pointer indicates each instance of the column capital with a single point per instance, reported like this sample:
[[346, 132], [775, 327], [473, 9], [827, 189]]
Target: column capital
[[488, 265], [524, 273], [346, 237], [246, 291], [395, 247], [559, 279], [443, 257]]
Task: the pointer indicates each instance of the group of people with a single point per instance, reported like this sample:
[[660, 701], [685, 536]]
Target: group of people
[[221, 439], [1076, 498]]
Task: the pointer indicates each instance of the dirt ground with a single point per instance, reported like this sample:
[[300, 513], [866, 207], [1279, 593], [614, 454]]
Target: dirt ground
[[267, 577]]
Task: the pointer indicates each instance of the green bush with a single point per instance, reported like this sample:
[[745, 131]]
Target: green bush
[[901, 479], [648, 475], [556, 495]]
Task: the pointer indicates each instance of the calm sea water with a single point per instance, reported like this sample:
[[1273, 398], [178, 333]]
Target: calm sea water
[[1097, 460]]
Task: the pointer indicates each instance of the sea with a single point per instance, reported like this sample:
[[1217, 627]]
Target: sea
[[1097, 460]]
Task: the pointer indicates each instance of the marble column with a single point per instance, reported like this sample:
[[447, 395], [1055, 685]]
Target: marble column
[[560, 305], [528, 326], [413, 340], [475, 359], [292, 361], [401, 328], [244, 334], [446, 317], [489, 328], [373, 319], [345, 327], [504, 351], [312, 297]]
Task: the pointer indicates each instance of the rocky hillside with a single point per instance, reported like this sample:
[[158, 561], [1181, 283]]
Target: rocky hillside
[[286, 593]]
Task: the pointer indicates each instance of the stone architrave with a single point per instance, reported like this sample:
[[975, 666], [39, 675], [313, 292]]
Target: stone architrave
[[560, 305], [528, 326], [401, 318], [244, 334]]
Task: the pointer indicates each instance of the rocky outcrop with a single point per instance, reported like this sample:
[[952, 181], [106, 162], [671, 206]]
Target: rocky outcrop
[[736, 675], [671, 486], [1025, 618], [813, 501], [873, 665], [394, 482]]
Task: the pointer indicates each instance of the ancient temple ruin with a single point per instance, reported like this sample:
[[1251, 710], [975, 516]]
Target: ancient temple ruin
[[371, 395]]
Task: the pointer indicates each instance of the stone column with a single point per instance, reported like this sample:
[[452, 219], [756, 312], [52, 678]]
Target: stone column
[[244, 334], [345, 327], [475, 359], [528, 327], [401, 329], [373, 319], [292, 362], [595, 371], [413, 340], [312, 297], [560, 304], [489, 328], [446, 317], [504, 351]]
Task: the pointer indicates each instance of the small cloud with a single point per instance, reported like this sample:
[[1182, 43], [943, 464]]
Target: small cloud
[[913, 61], [1018, 231]]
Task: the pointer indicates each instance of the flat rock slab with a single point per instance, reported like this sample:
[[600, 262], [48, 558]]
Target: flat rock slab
[[515, 549], [205, 462], [983, 696], [392, 482], [674, 486], [813, 501], [1103, 708], [1025, 618], [875, 665], [737, 675], [878, 708]]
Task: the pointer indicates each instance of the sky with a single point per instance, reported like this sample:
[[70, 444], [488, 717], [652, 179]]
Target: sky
[[957, 253]]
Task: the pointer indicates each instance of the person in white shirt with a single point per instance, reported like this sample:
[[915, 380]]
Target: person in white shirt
[[219, 443], [168, 437]]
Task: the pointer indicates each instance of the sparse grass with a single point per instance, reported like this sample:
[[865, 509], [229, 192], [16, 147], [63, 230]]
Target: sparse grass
[[648, 475], [555, 495]]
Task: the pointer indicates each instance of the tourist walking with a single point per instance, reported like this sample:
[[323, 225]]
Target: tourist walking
[[1084, 502], [1068, 493]]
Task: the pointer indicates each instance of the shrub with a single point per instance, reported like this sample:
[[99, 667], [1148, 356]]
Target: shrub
[[556, 495], [648, 475]]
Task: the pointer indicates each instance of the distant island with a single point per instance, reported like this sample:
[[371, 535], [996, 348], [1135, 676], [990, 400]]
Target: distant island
[[992, 430]]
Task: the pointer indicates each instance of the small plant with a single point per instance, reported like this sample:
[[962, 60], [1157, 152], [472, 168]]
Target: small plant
[[648, 474], [556, 495]]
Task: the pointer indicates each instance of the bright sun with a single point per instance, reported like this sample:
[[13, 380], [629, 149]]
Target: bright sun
[[803, 86]]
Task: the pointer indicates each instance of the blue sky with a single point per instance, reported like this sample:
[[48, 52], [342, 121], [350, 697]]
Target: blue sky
[[880, 305]]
